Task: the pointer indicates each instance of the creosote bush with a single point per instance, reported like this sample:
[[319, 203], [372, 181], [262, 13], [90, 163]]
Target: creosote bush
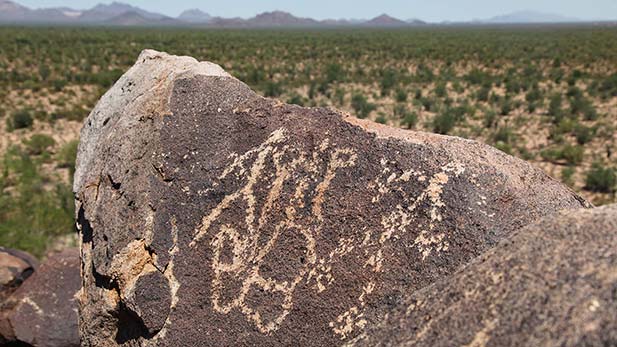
[[601, 179], [39, 144], [33, 210], [361, 105], [20, 120]]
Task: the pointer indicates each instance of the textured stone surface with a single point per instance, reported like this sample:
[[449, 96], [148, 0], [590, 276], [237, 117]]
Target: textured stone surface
[[553, 283], [15, 268], [43, 311], [212, 216]]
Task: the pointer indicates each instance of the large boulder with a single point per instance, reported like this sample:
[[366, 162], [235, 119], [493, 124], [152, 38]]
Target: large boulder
[[42, 312], [552, 284], [212, 216]]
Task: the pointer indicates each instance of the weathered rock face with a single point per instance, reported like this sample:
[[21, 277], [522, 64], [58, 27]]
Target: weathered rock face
[[552, 284], [15, 268], [43, 311], [212, 216]]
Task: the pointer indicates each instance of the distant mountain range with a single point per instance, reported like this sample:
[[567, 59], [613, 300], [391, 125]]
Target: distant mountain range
[[524, 17], [120, 14]]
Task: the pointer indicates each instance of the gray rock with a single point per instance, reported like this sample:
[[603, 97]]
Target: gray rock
[[554, 283], [212, 216], [43, 310]]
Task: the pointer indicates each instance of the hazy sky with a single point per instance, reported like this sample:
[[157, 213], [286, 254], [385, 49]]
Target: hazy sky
[[429, 10]]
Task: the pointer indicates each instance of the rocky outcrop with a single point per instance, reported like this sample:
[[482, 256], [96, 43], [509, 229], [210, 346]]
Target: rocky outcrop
[[212, 216], [43, 311], [554, 283], [15, 268]]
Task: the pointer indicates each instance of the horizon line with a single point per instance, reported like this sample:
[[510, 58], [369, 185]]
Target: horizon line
[[567, 18]]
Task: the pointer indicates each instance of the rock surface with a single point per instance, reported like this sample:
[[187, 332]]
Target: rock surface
[[554, 283], [15, 268], [43, 311], [212, 216]]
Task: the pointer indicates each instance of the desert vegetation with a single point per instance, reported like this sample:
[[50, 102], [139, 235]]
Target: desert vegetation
[[545, 94]]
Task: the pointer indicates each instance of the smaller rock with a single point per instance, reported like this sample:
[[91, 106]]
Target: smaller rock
[[15, 268], [43, 311], [552, 284]]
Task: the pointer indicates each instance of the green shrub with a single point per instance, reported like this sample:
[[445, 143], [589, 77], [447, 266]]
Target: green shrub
[[334, 72], [312, 91], [427, 103], [444, 122], [21, 119], [388, 80], [39, 143], [418, 94], [66, 156], [477, 76], [339, 96], [401, 95], [574, 92], [361, 105], [526, 154], [590, 113], [44, 71], [573, 155], [490, 119], [609, 86], [272, 89], [441, 90], [504, 134], [506, 107], [564, 126], [533, 96], [504, 147], [583, 134], [410, 120], [296, 100], [35, 211], [567, 176], [601, 179], [483, 93], [554, 108]]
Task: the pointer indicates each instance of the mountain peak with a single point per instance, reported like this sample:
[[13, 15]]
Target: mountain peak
[[194, 11], [7, 5], [111, 6], [195, 15], [385, 20], [528, 16], [280, 18], [104, 12], [275, 14]]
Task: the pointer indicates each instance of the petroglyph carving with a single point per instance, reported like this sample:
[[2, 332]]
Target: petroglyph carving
[[395, 223], [247, 246], [239, 255]]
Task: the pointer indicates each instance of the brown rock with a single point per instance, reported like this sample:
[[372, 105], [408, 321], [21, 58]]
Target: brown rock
[[212, 216], [43, 311], [554, 283], [15, 268]]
